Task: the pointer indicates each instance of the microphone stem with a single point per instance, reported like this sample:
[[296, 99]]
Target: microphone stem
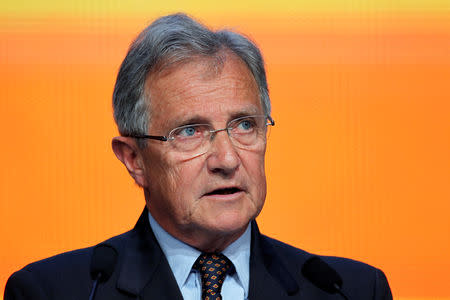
[[342, 294], [339, 291], [94, 287]]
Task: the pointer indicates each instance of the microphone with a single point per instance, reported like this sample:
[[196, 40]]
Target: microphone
[[103, 262], [323, 276]]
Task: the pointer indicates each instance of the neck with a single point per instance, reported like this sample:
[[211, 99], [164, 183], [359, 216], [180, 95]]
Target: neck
[[206, 241], [214, 244], [203, 240]]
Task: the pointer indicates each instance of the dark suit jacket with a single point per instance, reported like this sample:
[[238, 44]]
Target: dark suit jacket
[[142, 272]]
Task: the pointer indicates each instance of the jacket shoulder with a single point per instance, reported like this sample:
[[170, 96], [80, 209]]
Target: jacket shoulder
[[66, 273], [75, 261], [359, 279], [292, 253]]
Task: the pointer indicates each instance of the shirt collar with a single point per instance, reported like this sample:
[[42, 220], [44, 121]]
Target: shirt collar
[[239, 254], [181, 256]]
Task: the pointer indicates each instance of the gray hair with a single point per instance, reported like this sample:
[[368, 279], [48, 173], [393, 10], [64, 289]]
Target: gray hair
[[169, 40]]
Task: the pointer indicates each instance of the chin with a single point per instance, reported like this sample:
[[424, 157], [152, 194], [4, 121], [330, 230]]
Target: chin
[[231, 223]]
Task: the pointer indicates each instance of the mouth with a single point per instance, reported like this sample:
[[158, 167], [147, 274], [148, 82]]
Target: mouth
[[224, 191]]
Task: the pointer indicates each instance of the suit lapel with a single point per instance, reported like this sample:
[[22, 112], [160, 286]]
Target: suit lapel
[[145, 272], [269, 278], [144, 268]]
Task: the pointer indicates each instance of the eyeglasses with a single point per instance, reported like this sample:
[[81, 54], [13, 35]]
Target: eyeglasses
[[245, 132]]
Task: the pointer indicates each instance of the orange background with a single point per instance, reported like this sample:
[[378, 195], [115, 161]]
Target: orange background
[[358, 164]]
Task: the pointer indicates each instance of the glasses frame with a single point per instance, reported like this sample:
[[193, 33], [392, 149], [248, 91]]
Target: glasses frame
[[167, 138]]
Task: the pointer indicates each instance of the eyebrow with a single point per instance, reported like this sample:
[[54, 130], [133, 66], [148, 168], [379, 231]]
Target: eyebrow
[[198, 119], [195, 119], [243, 114]]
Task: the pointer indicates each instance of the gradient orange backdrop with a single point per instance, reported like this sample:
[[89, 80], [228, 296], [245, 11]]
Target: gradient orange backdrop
[[358, 163]]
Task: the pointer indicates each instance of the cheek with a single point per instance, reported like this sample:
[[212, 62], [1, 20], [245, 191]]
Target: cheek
[[254, 162], [186, 183], [184, 176], [255, 169], [163, 176]]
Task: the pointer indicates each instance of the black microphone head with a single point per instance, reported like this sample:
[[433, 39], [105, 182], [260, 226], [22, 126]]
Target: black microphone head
[[103, 262], [322, 275]]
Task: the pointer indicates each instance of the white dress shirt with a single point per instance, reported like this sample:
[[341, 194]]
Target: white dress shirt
[[181, 257]]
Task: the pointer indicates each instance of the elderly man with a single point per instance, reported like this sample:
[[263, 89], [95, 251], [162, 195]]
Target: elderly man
[[193, 110]]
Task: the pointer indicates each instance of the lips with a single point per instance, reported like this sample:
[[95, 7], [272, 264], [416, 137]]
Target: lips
[[224, 191]]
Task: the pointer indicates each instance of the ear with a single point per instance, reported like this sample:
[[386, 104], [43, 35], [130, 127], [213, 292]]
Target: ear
[[127, 151]]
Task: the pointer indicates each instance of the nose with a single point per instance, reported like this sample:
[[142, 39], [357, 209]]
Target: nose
[[222, 157]]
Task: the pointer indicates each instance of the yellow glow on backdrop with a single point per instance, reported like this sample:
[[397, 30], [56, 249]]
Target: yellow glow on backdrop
[[358, 162], [140, 7]]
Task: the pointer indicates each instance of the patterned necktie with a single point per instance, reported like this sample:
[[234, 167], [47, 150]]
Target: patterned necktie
[[213, 268]]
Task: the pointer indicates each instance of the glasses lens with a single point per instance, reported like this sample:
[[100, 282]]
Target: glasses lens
[[248, 131], [190, 137], [245, 132]]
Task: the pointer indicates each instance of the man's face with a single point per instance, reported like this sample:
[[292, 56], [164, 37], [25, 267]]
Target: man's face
[[216, 194]]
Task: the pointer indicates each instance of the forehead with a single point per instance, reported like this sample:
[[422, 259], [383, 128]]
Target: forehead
[[206, 87]]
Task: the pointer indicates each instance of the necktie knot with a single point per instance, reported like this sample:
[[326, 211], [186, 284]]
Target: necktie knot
[[213, 268]]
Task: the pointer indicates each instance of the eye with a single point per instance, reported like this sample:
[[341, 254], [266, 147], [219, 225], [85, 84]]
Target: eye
[[246, 125], [186, 131], [190, 132]]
